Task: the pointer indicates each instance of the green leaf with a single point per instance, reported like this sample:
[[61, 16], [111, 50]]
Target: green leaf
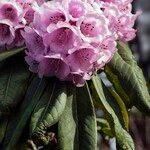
[[131, 78], [116, 84], [48, 110], [67, 125], [104, 127], [21, 116], [95, 97], [6, 54], [124, 139], [77, 126], [121, 107], [115, 102], [102, 123], [14, 76], [117, 105]]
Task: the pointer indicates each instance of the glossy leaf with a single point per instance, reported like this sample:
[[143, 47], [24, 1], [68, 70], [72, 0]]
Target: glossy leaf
[[77, 126], [124, 139], [131, 78], [48, 110]]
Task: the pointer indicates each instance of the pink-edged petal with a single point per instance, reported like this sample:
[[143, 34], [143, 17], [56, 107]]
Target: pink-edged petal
[[82, 59], [52, 17], [60, 40], [109, 44], [49, 13], [93, 28]]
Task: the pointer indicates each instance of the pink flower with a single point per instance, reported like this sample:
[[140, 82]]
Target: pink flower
[[18, 39], [29, 15], [11, 20], [51, 66], [60, 40], [82, 59], [76, 9], [10, 10], [49, 13], [6, 33], [93, 28], [33, 40], [68, 39], [121, 19]]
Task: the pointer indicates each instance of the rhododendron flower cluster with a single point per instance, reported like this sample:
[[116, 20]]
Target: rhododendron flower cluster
[[68, 39]]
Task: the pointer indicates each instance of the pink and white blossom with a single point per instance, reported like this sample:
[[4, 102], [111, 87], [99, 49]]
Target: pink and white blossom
[[68, 39]]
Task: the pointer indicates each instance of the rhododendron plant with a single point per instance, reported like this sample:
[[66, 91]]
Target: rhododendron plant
[[80, 34], [66, 44]]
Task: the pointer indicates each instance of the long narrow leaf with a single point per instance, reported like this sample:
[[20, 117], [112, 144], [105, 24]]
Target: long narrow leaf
[[117, 105], [77, 126], [117, 85], [124, 139], [19, 120]]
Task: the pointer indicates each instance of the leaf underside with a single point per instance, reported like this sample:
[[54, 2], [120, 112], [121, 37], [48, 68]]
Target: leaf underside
[[131, 78], [77, 126]]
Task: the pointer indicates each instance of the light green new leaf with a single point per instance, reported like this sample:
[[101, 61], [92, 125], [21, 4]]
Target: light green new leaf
[[124, 139], [77, 126], [19, 119], [104, 127], [102, 123], [121, 107], [6, 54], [48, 110], [131, 78], [14, 76]]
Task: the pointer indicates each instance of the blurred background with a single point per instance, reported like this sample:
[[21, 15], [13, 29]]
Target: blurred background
[[139, 124]]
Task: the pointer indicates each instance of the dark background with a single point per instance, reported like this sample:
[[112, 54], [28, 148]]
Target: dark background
[[139, 123]]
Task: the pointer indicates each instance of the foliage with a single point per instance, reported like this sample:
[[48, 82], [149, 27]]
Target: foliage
[[54, 114]]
